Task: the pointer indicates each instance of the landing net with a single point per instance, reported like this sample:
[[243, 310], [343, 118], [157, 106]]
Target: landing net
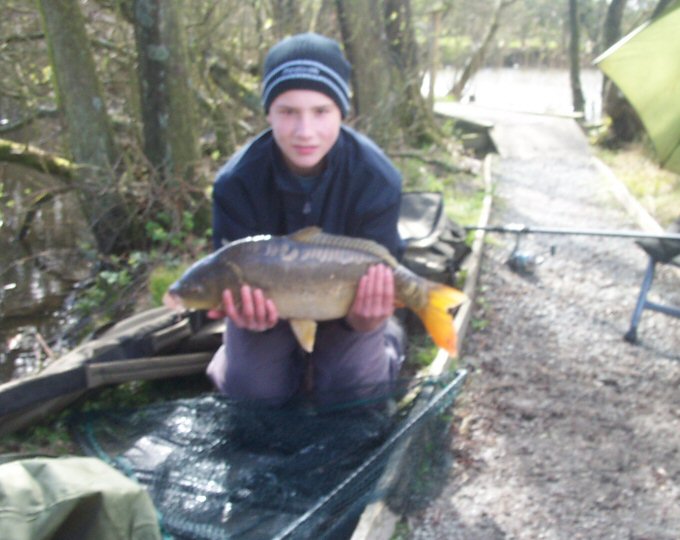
[[218, 469]]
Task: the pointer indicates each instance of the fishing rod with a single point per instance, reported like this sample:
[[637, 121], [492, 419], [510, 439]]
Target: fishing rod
[[519, 229], [525, 263]]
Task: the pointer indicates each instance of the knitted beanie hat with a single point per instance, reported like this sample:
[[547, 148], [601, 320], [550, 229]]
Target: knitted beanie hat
[[307, 62]]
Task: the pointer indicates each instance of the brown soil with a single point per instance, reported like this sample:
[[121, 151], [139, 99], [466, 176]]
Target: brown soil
[[564, 430]]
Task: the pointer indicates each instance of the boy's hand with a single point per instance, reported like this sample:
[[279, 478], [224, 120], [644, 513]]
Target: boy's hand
[[256, 312], [374, 301]]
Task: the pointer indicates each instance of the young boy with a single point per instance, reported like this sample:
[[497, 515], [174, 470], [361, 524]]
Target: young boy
[[308, 169]]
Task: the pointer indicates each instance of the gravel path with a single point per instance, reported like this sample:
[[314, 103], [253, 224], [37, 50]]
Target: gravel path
[[564, 430]]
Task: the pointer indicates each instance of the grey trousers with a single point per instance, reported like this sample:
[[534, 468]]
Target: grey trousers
[[271, 367]]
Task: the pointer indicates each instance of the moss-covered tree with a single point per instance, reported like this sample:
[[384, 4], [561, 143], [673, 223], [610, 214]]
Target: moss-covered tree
[[168, 119], [83, 110]]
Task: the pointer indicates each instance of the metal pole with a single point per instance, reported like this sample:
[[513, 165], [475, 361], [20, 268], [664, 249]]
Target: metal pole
[[526, 229]]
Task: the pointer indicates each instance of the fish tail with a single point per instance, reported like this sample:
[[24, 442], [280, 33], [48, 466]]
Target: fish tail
[[437, 315]]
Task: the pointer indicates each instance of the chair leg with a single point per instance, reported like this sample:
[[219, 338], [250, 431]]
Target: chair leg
[[631, 335]]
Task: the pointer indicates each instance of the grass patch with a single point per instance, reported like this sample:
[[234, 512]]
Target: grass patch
[[448, 170], [464, 201], [658, 190]]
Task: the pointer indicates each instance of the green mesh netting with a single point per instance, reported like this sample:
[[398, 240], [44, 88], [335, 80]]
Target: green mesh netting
[[218, 469]]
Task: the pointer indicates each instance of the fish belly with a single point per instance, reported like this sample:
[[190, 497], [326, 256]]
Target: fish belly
[[319, 302]]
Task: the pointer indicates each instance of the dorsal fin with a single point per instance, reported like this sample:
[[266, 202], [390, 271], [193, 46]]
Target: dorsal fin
[[314, 235]]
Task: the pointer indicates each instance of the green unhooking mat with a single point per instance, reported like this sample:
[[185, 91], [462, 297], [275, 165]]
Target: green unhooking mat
[[72, 497]]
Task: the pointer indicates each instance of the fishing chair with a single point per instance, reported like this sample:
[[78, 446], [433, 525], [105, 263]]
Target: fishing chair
[[660, 251]]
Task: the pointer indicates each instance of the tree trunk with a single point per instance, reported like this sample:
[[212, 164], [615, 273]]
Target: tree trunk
[[660, 8], [380, 44], [625, 124], [414, 115], [575, 58], [365, 47], [287, 17], [170, 142], [612, 23], [324, 18], [433, 54], [84, 112], [476, 59]]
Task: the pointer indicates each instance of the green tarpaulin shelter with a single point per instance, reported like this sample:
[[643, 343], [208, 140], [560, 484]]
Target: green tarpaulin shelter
[[645, 66]]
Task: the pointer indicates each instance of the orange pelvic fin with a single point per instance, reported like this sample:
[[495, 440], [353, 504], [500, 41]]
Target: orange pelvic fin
[[437, 316]]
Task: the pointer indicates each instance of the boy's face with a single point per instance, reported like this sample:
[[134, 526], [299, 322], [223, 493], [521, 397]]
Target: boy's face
[[305, 124]]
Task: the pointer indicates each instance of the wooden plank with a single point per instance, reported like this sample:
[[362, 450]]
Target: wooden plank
[[154, 367]]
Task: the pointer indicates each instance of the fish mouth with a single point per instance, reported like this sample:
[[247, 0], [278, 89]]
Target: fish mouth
[[172, 301]]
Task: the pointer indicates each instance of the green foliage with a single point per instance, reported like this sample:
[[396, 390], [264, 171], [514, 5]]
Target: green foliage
[[161, 278], [402, 531], [125, 281], [111, 293], [164, 233], [454, 49], [478, 324], [464, 201], [532, 44], [127, 395], [166, 230], [50, 437], [461, 276], [419, 176], [421, 351]]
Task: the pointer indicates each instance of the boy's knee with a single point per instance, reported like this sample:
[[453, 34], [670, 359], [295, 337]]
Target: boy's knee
[[243, 381]]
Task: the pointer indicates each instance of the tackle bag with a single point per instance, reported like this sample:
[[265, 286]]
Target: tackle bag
[[435, 245], [73, 497]]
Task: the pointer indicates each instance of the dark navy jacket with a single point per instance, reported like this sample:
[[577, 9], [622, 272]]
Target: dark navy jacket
[[358, 194]]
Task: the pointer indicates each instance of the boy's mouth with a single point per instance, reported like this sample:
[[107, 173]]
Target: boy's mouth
[[305, 150]]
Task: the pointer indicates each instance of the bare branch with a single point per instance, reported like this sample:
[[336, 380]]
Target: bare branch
[[40, 112], [23, 38]]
